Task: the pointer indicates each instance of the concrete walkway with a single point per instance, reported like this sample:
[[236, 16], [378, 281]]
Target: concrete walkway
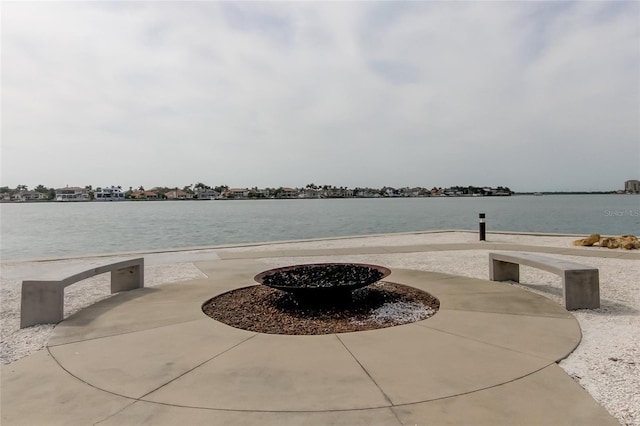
[[151, 357]]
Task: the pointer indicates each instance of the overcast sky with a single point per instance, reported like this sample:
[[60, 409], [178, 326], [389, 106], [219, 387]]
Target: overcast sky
[[533, 96]]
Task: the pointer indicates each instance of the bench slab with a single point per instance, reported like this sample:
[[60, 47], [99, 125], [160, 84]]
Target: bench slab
[[42, 300], [580, 283]]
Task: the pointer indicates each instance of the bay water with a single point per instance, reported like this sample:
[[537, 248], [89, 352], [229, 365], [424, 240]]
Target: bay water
[[51, 230]]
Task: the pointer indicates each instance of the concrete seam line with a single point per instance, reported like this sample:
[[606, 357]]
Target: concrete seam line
[[198, 366], [365, 370], [477, 390], [154, 390], [438, 330]]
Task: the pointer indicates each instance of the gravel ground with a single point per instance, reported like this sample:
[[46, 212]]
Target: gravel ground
[[606, 364], [265, 310]]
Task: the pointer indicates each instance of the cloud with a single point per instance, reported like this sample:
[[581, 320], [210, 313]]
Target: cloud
[[529, 95]]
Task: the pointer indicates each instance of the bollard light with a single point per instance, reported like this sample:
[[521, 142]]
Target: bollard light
[[483, 229]]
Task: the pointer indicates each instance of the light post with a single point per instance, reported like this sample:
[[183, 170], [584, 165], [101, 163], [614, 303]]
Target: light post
[[483, 229]]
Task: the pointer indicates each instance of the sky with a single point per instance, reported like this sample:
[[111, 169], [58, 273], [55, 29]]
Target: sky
[[536, 96]]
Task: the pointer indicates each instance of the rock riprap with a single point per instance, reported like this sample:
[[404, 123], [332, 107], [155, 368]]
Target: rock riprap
[[627, 242]]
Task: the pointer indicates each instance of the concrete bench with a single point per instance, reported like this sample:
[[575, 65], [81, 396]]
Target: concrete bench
[[580, 283], [43, 300]]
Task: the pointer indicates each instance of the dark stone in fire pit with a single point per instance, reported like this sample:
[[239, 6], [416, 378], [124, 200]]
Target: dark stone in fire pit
[[322, 281]]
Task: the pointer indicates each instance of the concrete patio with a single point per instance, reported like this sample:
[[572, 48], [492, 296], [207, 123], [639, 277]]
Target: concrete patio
[[150, 356]]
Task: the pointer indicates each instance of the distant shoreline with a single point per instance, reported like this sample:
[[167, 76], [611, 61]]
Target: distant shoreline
[[327, 198]]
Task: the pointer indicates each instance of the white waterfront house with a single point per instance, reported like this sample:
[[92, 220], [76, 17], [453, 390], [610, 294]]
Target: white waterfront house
[[28, 196], [207, 194], [72, 193], [111, 193]]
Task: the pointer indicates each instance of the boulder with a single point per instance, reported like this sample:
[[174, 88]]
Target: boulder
[[628, 242], [591, 240]]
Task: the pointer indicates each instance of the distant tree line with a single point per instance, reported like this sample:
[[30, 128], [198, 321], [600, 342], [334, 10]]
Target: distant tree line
[[310, 190]]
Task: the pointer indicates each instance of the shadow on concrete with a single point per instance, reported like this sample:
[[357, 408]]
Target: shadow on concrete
[[607, 307], [87, 316]]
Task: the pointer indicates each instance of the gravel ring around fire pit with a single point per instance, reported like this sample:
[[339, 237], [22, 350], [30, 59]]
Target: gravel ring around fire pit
[[266, 310]]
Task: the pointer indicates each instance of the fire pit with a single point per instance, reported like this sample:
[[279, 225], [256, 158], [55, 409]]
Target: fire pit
[[321, 298], [322, 281]]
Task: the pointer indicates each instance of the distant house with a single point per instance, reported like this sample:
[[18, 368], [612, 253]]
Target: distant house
[[437, 192], [178, 194], [29, 196], [144, 195], [367, 193], [206, 194], [333, 192], [237, 193], [346, 193], [392, 192], [501, 192], [72, 193], [151, 195], [309, 193], [419, 192], [289, 193], [260, 193], [109, 193]]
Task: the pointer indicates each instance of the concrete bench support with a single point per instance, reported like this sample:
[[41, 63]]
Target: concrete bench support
[[580, 283], [43, 300]]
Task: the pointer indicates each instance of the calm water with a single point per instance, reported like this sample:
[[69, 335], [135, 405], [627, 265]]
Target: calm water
[[31, 230]]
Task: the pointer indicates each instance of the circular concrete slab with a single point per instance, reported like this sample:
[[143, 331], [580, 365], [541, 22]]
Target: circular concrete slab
[[156, 345]]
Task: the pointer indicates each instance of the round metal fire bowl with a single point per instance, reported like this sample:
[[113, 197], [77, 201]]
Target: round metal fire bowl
[[322, 280]]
